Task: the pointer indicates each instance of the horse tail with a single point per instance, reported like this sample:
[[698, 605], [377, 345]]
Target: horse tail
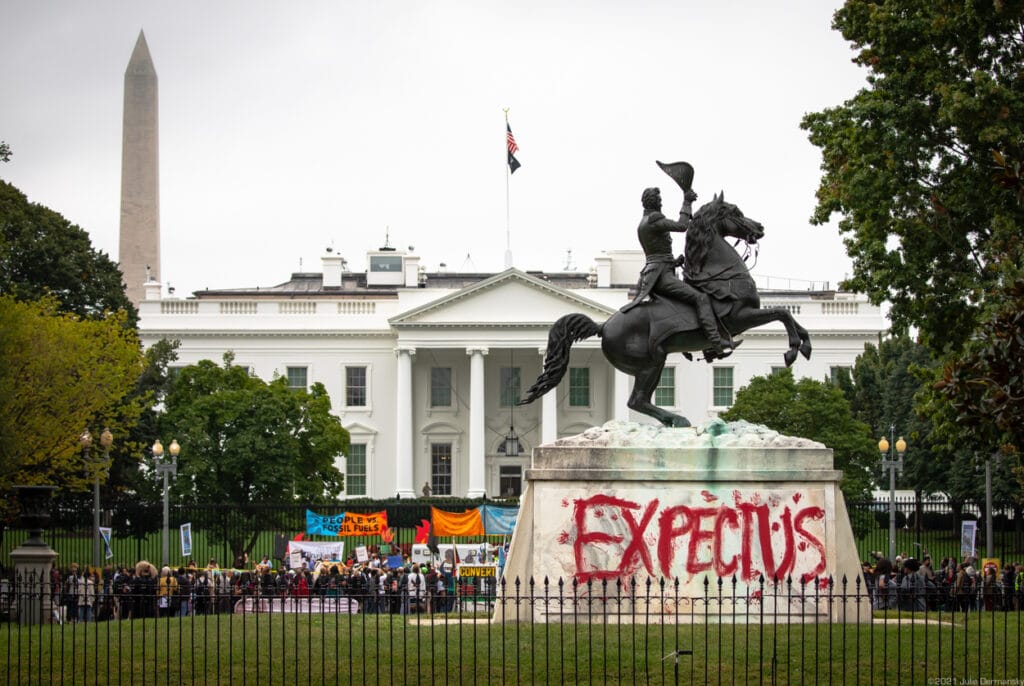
[[563, 333]]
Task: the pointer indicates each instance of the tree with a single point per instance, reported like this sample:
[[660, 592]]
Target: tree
[[60, 374], [984, 385], [815, 410], [42, 253], [244, 441], [908, 161], [886, 380], [5, 152]]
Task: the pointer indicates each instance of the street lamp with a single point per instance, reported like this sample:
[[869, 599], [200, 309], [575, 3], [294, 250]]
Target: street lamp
[[893, 461], [166, 467], [85, 440]]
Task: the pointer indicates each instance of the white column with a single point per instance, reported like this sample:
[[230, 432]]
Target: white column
[[403, 425], [548, 413], [622, 382], [477, 426]]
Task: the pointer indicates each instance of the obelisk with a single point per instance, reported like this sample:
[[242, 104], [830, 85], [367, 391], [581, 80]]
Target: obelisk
[[139, 253]]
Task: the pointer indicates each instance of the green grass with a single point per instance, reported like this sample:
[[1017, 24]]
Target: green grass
[[317, 649]]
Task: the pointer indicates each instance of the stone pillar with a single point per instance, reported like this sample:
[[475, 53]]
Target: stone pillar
[[477, 426], [32, 567], [548, 413], [403, 424], [33, 559]]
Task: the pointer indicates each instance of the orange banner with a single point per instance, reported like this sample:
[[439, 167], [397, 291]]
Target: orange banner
[[360, 524], [468, 523]]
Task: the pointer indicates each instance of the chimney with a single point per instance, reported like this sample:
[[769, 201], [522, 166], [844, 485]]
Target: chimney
[[412, 271], [332, 264], [604, 271], [151, 290]]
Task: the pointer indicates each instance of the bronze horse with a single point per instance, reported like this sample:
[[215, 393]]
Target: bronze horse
[[637, 342]]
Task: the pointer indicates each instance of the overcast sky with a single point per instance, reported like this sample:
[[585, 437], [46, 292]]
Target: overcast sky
[[288, 127]]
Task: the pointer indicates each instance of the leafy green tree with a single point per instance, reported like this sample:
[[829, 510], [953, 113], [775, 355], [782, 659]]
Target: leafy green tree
[[815, 410], [42, 253], [984, 385], [908, 160], [924, 168], [60, 374], [245, 441], [886, 380]]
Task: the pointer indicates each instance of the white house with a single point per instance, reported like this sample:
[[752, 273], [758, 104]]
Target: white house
[[423, 368]]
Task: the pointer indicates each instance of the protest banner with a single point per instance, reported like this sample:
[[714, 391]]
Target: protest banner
[[313, 551]]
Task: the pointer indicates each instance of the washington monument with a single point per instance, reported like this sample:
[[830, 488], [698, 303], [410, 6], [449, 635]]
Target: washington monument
[[140, 175]]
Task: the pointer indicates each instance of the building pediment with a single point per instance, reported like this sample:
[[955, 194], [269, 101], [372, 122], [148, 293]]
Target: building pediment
[[506, 298]]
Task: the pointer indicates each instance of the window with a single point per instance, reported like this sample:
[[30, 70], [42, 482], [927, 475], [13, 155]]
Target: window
[[579, 387], [355, 470], [355, 386], [777, 370], [441, 387], [441, 468], [665, 393], [297, 377], [721, 395], [509, 386], [510, 480], [837, 373], [385, 263]]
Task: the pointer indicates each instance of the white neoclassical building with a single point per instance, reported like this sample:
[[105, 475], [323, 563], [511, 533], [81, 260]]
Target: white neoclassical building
[[424, 368]]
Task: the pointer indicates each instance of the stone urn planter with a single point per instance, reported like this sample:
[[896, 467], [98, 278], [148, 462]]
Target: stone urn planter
[[35, 511]]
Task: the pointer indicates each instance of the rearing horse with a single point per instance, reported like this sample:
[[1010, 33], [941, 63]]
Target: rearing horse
[[638, 341]]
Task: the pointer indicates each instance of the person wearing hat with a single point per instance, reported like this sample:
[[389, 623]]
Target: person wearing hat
[[659, 272]]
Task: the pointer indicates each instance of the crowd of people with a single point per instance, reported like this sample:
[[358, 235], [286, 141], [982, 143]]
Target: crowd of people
[[907, 583], [142, 591]]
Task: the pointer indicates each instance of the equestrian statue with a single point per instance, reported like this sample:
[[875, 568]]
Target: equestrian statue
[[715, 299]]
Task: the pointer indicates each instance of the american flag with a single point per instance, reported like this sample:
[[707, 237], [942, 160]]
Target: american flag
[[510, 141]]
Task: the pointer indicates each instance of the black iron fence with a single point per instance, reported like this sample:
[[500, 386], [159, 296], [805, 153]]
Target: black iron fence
[[219, 532], [637, 631], [935, 527]]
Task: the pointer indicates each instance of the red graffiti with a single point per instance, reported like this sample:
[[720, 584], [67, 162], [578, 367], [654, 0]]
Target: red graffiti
[[750, 538]]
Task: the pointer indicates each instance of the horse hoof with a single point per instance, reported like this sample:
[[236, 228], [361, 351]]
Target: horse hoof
[[805, 349], [789, 357]]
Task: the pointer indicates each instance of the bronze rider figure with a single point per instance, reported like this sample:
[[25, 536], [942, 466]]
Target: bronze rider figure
[[658, 275]]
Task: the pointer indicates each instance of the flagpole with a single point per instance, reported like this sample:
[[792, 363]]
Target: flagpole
[[508, 223]]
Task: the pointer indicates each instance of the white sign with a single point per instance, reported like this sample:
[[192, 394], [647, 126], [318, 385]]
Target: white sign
[[186, 539], [968, 533], [471, 553], [313, 551], [362, 555]]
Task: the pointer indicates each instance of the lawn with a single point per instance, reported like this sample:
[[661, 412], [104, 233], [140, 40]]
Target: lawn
[[316, 649]]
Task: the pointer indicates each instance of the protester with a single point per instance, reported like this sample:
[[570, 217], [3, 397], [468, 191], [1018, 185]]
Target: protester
[[166, 593]]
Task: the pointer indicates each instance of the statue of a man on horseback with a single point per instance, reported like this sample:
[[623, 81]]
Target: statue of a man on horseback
[[659, 273], [680, 316]]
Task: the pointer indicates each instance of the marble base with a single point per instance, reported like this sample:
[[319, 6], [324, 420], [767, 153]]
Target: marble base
[[675, 510]]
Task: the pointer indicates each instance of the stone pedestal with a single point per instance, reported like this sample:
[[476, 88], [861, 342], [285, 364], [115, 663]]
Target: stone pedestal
[[32, 567], [675, 510]]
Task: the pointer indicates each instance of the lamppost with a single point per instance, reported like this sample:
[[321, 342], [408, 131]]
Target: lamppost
[[893, 461], [166, 467], [85, 440]]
